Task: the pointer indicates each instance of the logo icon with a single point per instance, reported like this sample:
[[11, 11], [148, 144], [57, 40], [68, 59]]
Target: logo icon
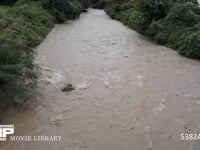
[[6, 130]]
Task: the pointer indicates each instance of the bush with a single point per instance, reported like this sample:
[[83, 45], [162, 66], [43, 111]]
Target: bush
[[21, 28], [113, 9], [99, 4], [63, 10], [172, 22], [85, 3], [190, 47]]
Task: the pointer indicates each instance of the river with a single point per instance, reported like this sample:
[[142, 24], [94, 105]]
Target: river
[[131, 94]]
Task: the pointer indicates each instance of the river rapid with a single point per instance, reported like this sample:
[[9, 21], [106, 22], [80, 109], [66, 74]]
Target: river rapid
[[131, 94]]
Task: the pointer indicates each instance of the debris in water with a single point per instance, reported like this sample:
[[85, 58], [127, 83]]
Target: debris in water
[[69, 87]]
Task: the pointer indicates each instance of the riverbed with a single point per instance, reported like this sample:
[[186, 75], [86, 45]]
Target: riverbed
[[130, 93]]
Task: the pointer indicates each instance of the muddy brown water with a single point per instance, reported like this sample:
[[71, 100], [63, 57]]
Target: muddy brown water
[[131, 94]]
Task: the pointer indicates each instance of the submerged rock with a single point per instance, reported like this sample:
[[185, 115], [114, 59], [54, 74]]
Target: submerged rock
[[69, 87]]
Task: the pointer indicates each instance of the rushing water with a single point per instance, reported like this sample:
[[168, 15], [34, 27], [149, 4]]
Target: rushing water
[[131, 94]]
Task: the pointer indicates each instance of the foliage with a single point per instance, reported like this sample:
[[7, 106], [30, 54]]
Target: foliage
[[99, 4], [190, 45], [85, 3], [3, 9], [62, 9], [21, 28], [172, 22], [7, 2]]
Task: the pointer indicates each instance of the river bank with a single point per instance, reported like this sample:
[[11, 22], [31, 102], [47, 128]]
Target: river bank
[[23, 26], [174, 24]]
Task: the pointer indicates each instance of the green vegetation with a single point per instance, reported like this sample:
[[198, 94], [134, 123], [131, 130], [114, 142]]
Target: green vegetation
[[99, 4], [175, 23], [7, 2], [3, 9], [62, 9], [24, 25]]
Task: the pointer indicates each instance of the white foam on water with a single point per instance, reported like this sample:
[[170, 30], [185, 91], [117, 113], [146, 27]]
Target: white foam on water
[[51, 76], [85, 84], [111, 81], [140, 78], [161, 105], [147, 134]]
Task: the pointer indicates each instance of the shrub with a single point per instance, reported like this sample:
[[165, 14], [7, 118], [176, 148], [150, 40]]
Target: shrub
[[99, 4], [190, 47], [85, 3], [21, 28], [172, 22], [63, 10]]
